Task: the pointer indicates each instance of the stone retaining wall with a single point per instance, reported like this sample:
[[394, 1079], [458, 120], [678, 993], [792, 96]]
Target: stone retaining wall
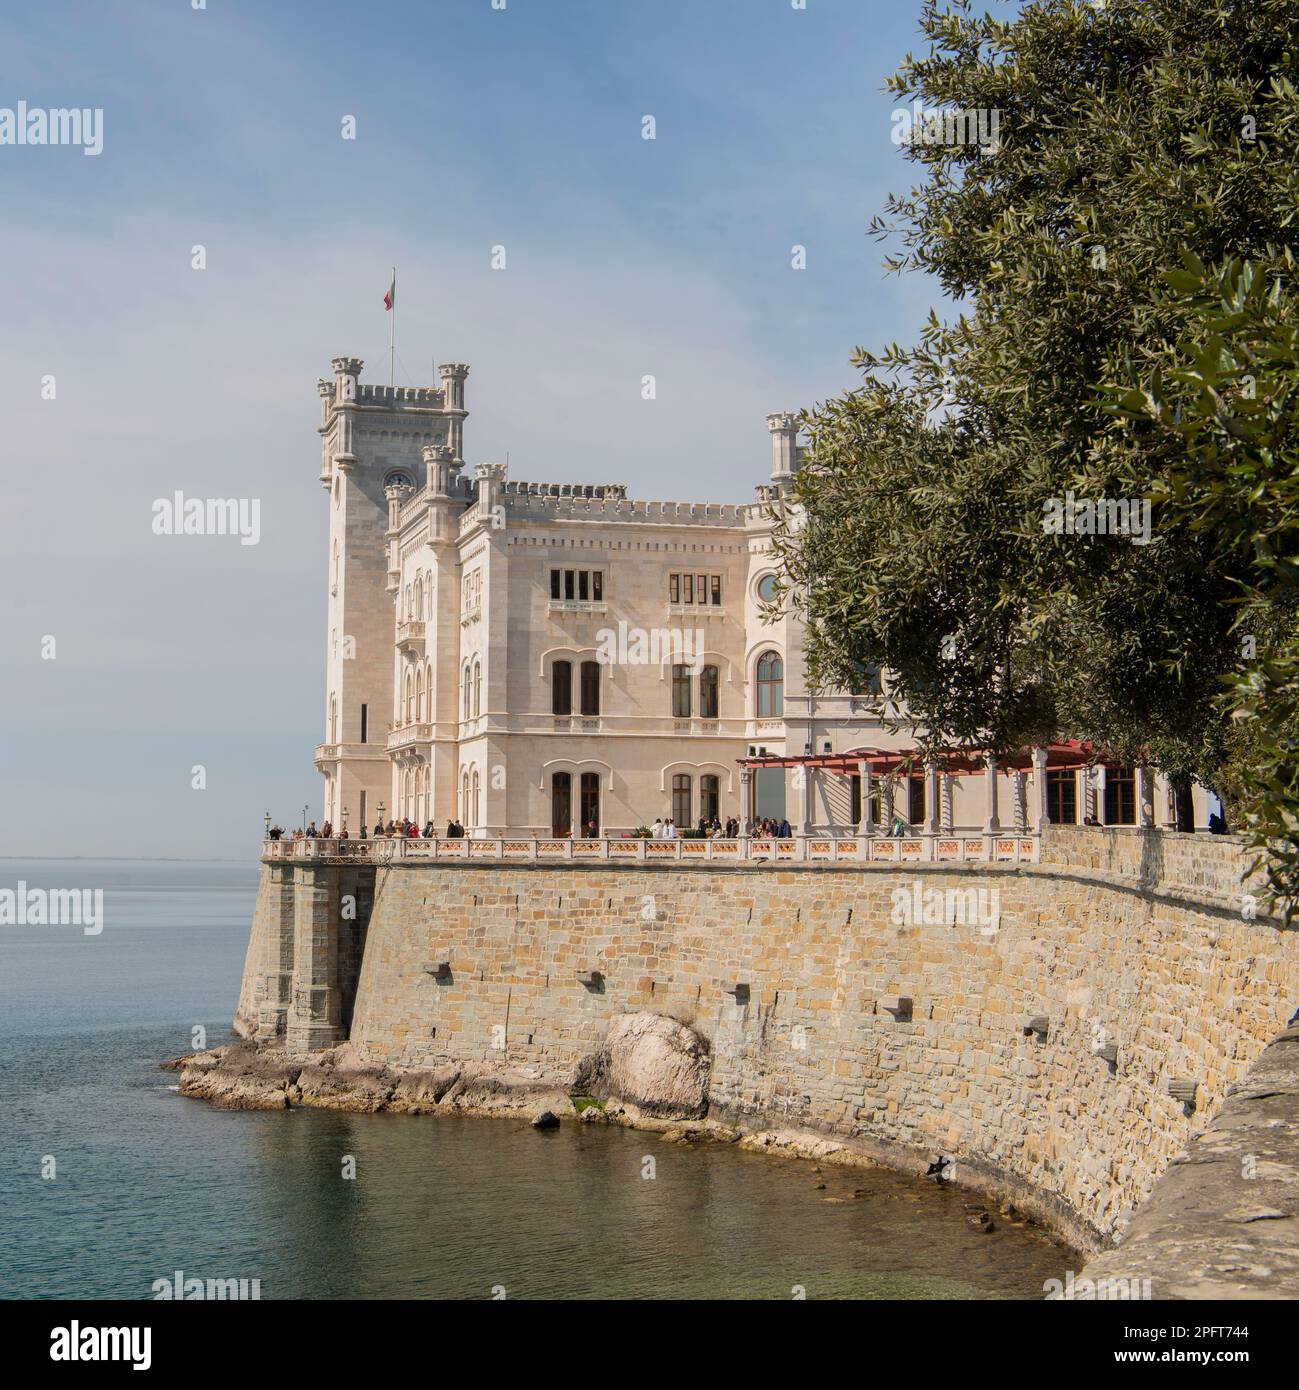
[[1139, 949]]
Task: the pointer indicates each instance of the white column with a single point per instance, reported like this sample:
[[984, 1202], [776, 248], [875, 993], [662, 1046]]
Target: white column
[[1040, 817], [865, 825], [994, 821], [805, 827], [946, 782], [1145, 790], [747, 779], [1021, 805], [932, 807]]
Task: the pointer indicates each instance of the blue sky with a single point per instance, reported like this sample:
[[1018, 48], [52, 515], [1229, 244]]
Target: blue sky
[[475, 127]]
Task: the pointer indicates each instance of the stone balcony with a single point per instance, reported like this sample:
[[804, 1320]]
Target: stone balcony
[[406, 734], [410, 637]]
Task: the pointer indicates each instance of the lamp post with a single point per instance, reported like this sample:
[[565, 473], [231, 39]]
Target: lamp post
[[304, 817], [344, 817], [266, 834], [381, 809]]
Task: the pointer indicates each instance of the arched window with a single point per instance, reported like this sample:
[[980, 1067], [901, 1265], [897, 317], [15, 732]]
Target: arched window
[[478, 693], [407, 614], [591, 688], [333, 719], [474, 821], [464, 799], [409, 702], [419, 695], [428, 686], [467, 691], [708, 693], [709, 799], [771, 686], [561, 688], [681, 799], [681, 692]]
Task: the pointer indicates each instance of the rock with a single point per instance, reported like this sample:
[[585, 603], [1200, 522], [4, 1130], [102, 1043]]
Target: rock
[[546, 1120], [649, 1061]]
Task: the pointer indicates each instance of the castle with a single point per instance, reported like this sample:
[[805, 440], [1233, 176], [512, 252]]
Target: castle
[[561, 660]]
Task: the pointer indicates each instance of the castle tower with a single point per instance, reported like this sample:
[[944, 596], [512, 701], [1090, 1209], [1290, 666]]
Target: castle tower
[[372, 438]]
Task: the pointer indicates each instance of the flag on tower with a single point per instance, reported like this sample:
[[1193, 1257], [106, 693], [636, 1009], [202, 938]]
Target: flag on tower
[[390, 298]]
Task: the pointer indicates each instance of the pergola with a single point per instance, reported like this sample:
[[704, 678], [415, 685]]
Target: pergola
[[887, 764]]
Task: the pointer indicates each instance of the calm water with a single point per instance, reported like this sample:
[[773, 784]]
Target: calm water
[[148, 1183]]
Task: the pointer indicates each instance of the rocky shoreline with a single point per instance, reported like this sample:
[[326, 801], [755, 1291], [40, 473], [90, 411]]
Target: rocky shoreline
[[651, 1074]]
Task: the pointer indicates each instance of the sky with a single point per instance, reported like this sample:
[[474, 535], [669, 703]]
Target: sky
[[127, 374]]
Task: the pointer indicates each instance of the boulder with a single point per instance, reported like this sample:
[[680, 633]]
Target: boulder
[[546, 1120], [651, 1062]]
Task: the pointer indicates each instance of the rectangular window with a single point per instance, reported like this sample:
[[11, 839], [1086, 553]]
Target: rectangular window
[[569, 592], [365, 722], [681, 692], [717, 589], [854, 805], [709, 800], [597, 585], [674, 588], [916, 802], [701, 588], [554, 584], [1120, 796], [687, 588], [583, 584], [1062, 797]]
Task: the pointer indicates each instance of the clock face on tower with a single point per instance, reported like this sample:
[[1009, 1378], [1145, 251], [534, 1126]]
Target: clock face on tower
[[398, 479]]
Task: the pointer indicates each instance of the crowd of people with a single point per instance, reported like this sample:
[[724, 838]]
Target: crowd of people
[[707, 829], [394, 830]]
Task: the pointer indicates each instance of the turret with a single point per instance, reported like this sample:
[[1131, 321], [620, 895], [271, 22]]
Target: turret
[[453, 376], [785, 453]]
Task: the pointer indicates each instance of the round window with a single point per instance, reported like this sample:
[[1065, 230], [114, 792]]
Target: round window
[[767, 588]]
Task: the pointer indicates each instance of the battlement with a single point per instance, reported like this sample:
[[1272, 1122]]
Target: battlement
[[579, 502], [597, 490], [373, 394]]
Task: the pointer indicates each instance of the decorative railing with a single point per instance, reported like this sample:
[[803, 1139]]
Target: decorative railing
[[1020, 847]]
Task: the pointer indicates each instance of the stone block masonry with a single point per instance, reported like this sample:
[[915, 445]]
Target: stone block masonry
[[796, 979]]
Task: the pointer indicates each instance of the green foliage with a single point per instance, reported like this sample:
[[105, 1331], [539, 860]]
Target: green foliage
[[1226, 400], [1130, 134]]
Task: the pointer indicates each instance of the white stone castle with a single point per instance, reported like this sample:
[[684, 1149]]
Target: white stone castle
[[532, 658], [561, 660]]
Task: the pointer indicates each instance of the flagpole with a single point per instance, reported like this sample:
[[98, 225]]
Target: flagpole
[[392, 332]]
